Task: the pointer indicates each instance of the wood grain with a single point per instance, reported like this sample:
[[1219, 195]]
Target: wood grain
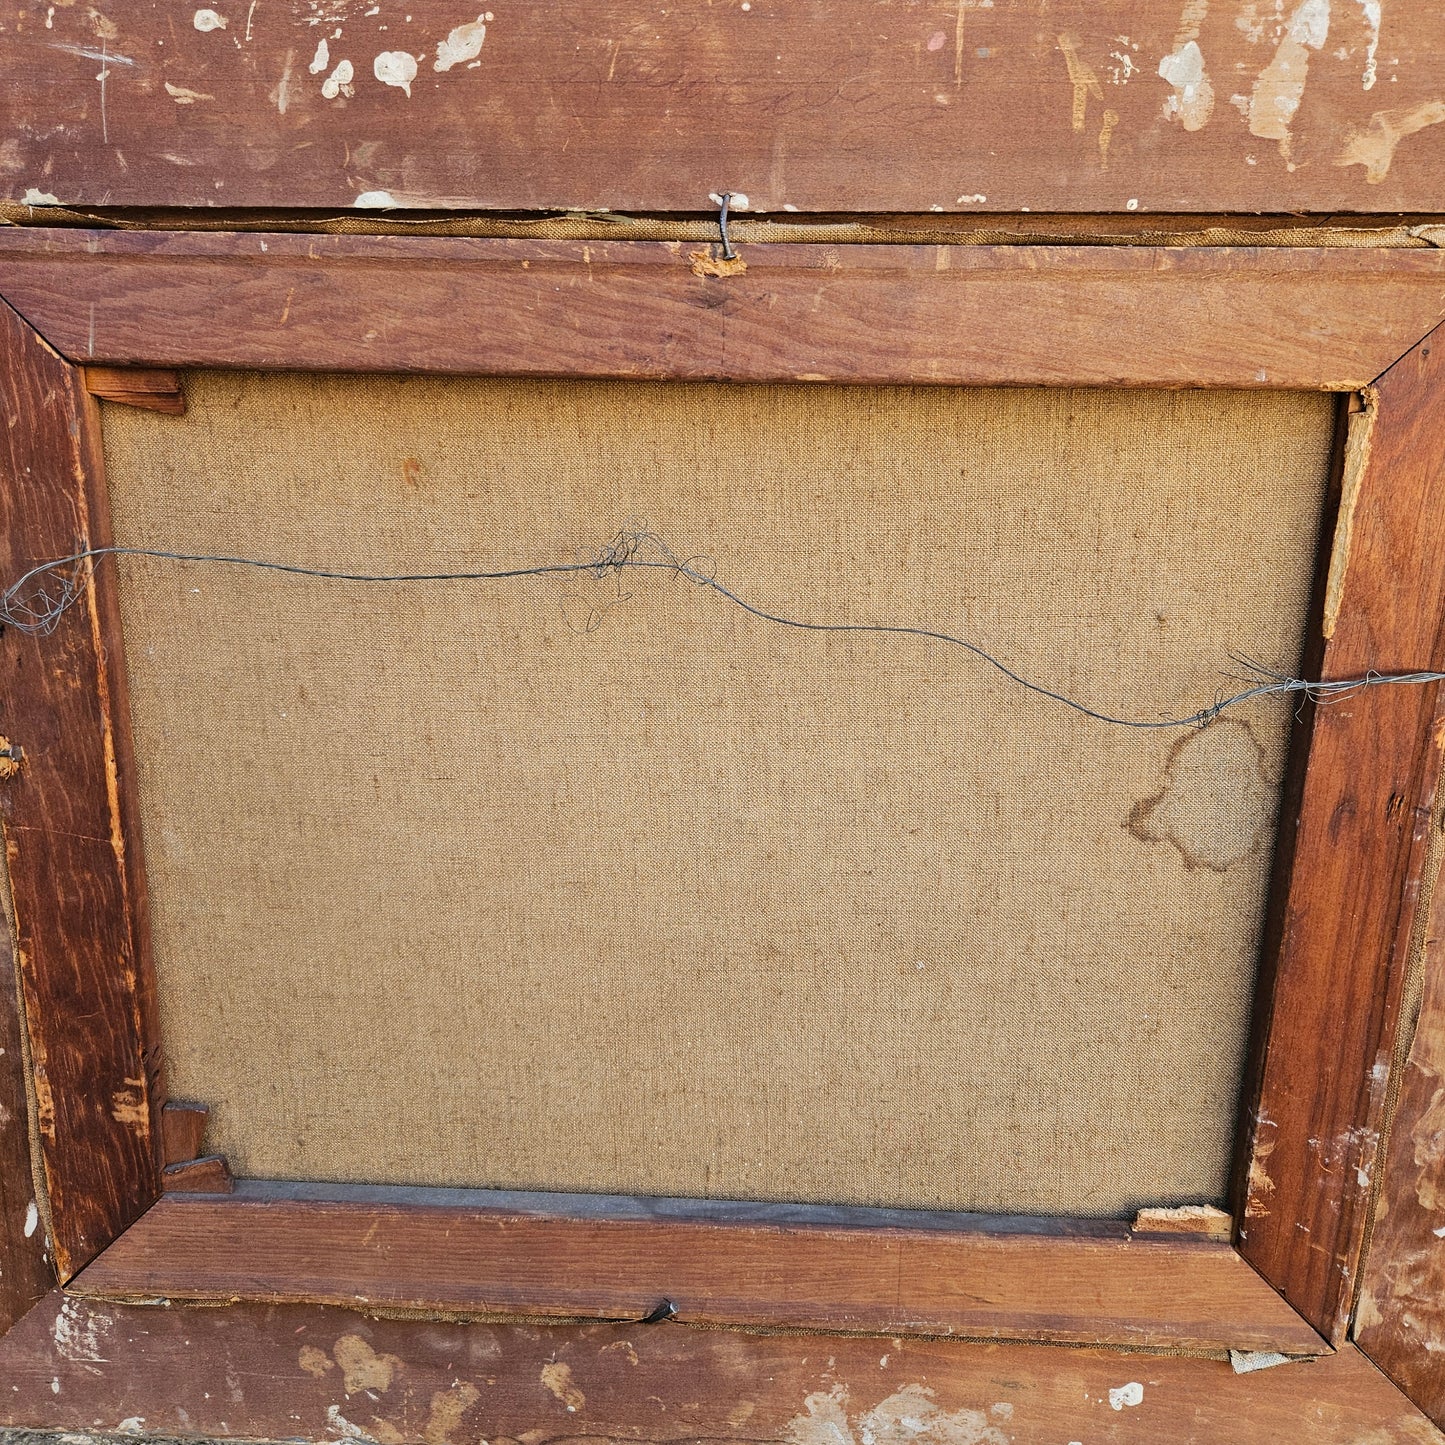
[[316, 1374], [71, 841], [1400, 1316], [266, 1244], [183, 1132], [1351, 857], [25, 1273], [816, 106], [209, 1175], [146, 387], [979, 315]]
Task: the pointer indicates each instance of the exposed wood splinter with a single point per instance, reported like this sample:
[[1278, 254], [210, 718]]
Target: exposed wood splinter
[[1201, 1220]]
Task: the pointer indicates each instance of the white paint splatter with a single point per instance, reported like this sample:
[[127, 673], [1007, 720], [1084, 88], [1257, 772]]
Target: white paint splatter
[[374, 200], [1193, 98], [1132, 204], [1130, 1394], [342, 1426], [32, 197], [339, 81], [910, 1416], [132, 1425], [395, 67], [78, 1333], [464, 43], [322, 58], [281, 95], [1372, 22], [1281, 84], [975, 199], [737, 201], [208, 20], [32, 1212]]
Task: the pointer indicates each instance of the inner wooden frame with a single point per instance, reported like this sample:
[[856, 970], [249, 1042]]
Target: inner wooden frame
[[1349, 858]]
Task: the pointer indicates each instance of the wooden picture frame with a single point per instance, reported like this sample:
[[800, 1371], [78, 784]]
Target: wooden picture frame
[[133, 1216]]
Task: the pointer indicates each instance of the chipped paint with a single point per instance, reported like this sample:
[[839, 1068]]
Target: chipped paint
[[1082, 77], [1193, 99], [33, 197], [1281, 84], [1261, 1186], [447, 1410], [1373, 146], [1428, 1139], [1371, 11], [1126, 1396], [557, 1377], [128, 1106], [462, 44], [79, 1331], [182, 96], [909, 1416], [315, 1362], [339, 83], [207, 20], [361, 1367], [395, 68], [343, 1427], [321, 59], [281, 96]]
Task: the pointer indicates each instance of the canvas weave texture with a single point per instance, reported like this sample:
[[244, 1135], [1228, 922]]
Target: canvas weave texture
[[600, 883]]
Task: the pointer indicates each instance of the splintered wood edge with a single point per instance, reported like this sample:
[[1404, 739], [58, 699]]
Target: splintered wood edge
[[1199, 1220]]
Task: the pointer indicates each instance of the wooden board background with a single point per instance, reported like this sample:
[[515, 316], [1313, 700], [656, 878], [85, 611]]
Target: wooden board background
[[1007, 105], [309, 1373]]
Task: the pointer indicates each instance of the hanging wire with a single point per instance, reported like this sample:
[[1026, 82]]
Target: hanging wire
[[36, 602]]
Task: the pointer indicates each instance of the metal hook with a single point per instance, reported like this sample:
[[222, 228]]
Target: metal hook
[[722, 222]]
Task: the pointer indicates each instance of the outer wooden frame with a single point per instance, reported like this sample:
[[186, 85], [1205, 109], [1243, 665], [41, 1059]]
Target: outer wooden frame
[[1348, 867]]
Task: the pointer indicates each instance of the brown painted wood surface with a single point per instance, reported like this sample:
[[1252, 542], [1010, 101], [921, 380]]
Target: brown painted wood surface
[[816, 105], [209, 1175], [1354, 849], [71, 840], [1400, 1316], [25, 1273], [145, 387], [309, 1373], [979, 315], [183, 1132], [261, 1244]]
